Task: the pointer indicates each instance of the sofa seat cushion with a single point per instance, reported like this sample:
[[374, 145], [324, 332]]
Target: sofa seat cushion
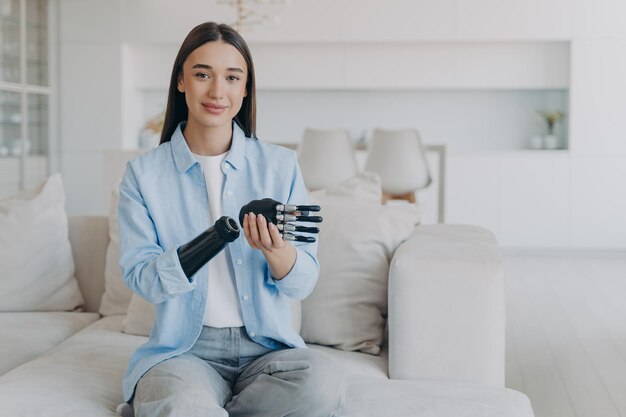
[[373, 397], [83, 377], [358, 363], [80, 377], [24, 336]]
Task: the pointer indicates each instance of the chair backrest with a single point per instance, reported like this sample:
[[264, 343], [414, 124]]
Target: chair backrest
[[399, 158], [326, 157]]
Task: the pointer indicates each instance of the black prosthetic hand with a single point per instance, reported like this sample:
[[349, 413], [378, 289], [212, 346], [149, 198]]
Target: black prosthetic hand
[[284, 216], [194, 254]]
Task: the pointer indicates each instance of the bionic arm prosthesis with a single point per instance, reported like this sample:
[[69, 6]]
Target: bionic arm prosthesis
[[197, 252]]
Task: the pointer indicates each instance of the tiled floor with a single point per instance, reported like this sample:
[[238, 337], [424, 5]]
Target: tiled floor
[[566, 334]]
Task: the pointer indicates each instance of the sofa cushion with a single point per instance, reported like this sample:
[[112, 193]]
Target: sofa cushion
[[36, 264], [117, 295], [348, 307], [365, 186], [27, 335], [83, 377], [139, 317], [373, 397], [80, 377]]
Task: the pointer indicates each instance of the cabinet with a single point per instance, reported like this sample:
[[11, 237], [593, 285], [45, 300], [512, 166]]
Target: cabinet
[[24, 94], [523, 197]]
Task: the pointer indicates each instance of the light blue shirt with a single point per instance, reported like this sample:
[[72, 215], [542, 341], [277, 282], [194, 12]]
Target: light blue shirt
[[164, 204]]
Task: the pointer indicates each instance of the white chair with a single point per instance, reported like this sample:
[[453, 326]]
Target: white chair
[[399, 158], [326, 157]]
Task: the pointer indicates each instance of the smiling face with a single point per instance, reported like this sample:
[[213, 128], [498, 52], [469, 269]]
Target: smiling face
[[214, 83]]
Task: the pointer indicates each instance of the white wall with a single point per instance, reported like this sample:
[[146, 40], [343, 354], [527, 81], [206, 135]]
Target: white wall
[[90, 90], [151, 21], [578, 204], [598, 143]]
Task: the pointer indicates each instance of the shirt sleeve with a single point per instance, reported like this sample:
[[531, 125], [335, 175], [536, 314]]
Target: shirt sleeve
[[301, 279], [148, 270]]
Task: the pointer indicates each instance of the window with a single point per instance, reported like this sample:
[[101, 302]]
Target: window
[[24, 94]]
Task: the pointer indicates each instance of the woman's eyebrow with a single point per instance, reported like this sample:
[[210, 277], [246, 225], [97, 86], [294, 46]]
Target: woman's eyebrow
[[205, 66]]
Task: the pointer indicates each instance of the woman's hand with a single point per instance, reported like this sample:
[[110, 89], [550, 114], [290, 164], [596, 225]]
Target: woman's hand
[[280, 255]]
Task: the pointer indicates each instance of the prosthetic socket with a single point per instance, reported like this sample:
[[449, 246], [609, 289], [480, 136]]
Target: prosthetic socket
[[284, 217], [194, 254]]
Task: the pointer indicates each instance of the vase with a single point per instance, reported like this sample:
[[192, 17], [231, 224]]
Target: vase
[[551, 142]]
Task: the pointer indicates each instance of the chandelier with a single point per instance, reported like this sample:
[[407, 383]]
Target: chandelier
[[248, 16]]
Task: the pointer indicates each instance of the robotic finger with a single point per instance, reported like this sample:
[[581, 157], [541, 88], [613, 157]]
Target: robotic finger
[[291, 208], [292, 217], [290, 227], [297, 238]]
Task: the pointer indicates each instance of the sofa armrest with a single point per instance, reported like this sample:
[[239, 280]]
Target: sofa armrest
[[89, 237], [447, 306]]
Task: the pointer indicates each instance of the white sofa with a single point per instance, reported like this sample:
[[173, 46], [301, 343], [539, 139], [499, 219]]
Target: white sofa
[[444, 355]]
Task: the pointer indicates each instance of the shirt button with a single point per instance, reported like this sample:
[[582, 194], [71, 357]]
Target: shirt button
[[239, 261], [225, 165], [252, 334], [245, 297], [229, 193]]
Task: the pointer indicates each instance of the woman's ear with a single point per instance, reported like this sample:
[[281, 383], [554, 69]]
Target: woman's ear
[[180, 85]]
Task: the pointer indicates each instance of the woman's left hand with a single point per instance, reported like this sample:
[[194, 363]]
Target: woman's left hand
[[280, 255]]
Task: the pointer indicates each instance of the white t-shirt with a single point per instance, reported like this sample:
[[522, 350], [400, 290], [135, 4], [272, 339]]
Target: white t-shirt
[[222, 306]]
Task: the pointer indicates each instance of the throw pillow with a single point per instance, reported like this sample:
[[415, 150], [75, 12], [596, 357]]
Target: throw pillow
[[365, 186], [36, 263], [117, 295], [348, 308], [139, 317]]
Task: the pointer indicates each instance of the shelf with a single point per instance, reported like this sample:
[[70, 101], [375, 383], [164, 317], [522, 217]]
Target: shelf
[[17, 21], [370, 88], [530, 153], [33, 156], [13, 57]]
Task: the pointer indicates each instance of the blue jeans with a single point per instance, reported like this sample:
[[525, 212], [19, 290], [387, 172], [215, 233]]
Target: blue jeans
[[226, 373]]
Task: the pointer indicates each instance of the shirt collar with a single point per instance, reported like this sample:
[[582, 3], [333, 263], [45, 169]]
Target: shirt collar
[[236, 154], [184, 159]]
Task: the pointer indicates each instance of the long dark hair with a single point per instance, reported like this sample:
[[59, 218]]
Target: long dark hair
[[176, 110]]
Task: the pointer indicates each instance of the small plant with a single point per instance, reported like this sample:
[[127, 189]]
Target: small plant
[[552, 117], [150, 133]]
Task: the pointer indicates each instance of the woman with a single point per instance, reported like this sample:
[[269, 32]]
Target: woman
[[222, 342]]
